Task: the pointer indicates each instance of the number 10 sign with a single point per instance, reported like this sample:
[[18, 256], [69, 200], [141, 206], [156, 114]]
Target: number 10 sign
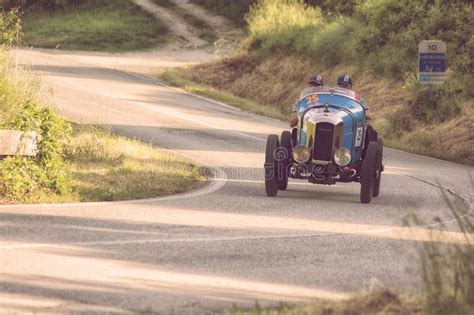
[[432, 62]]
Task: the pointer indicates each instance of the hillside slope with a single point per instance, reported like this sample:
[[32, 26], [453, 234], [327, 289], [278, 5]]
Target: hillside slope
[[376, 42]]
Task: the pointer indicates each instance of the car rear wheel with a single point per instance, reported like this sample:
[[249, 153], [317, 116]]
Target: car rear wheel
[[271, 166], [369, 173], [283, 156], [379, 169]]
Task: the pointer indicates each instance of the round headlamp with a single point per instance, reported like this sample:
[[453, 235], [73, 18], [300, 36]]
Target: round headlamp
[[301, 153], [342, 156]]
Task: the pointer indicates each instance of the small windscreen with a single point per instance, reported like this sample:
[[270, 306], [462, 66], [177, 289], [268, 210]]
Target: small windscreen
[[317, 96], [328, 89]]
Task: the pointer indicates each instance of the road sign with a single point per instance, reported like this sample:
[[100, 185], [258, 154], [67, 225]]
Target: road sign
[[432, 62]]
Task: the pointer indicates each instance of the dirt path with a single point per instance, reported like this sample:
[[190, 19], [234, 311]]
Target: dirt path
[[219, 24], [187, 35], [226, 32], [177, 25]]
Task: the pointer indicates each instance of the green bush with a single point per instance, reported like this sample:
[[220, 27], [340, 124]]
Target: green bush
[[331, 45], [233, 10], [337, 7], [237, 10], [20, 176], [382, 35], [46, 5], [54, 133], [294, 26], [272, 19], [392, 30]]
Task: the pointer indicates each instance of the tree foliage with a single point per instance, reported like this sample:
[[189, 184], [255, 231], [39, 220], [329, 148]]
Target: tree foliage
[[47, 5]]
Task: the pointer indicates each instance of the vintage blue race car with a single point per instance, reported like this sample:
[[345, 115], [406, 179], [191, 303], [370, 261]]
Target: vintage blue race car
[[330, 144]]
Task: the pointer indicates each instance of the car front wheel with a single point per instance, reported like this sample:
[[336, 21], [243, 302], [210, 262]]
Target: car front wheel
[[369, 173], [271, 166]]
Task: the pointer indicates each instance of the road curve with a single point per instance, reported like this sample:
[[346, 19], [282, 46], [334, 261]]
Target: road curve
[[226, 244]]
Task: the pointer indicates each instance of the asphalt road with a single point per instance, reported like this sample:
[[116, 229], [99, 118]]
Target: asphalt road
[[223, 245]]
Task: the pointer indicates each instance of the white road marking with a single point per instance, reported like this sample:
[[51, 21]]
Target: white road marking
[[216, 182], [151, 241]]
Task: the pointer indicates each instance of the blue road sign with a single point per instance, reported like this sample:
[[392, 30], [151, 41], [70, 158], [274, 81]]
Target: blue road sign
[[432, 62]]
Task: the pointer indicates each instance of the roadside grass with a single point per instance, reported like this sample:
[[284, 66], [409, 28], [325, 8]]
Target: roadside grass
[[107, 167], [178, 78], [203, 29], [108, 25], [377, 302], [16, 88], [448, 271]]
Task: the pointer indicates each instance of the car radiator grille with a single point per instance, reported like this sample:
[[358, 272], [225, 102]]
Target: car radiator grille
[[323, 143]]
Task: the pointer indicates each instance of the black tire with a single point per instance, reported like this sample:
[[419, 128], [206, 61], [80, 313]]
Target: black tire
[[283, 156], [368, 173], [271, 166], [378, 177]]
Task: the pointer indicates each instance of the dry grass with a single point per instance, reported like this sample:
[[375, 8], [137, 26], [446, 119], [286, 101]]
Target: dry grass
[[203, 30], [452, 140], [180, 78], [277, 81], [378, 302], [17, 86], [106, 167]]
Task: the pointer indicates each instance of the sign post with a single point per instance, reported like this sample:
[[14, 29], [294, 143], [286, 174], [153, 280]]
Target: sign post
[[432, 62]]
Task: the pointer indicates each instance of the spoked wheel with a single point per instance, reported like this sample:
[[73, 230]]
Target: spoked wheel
[[283, 156], [379, 169], [271, 166], [369, 173]]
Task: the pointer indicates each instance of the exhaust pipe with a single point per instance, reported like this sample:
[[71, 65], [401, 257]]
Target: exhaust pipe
[[350, 171]]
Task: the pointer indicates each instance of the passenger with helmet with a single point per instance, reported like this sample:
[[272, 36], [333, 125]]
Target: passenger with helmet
[[315, 84], [345, 82]]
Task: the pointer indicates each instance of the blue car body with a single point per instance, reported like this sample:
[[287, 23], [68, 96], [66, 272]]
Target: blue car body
[[332, 106], [331, 143]]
